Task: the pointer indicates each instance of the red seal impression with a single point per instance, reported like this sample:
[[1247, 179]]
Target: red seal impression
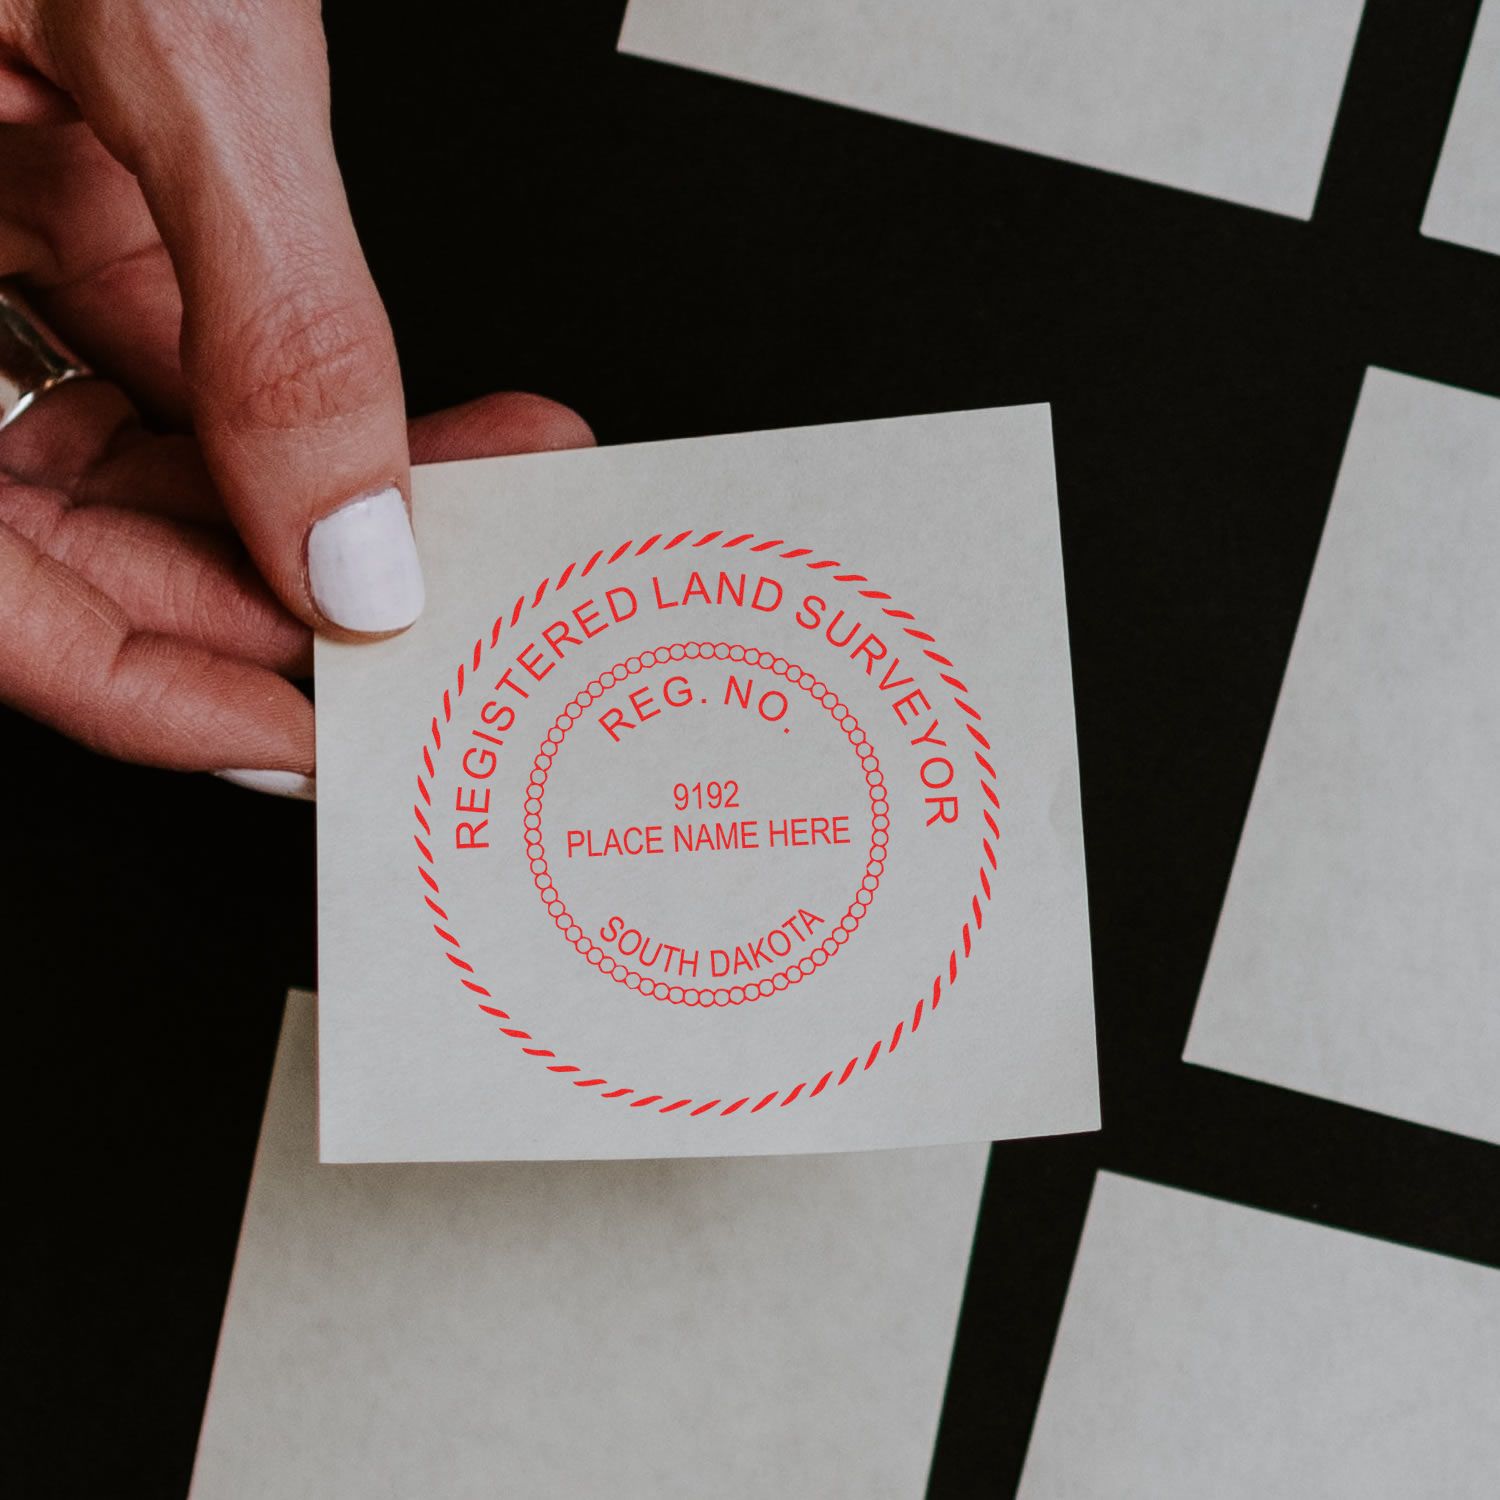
[[702, 819]]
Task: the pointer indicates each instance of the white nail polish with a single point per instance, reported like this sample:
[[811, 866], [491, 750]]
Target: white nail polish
[[362, 565], [275, 783]]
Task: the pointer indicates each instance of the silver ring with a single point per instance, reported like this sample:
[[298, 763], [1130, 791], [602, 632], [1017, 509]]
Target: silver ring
[[33, 360]]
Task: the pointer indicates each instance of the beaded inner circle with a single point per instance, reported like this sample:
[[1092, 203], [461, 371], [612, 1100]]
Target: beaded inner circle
[[617, 969]]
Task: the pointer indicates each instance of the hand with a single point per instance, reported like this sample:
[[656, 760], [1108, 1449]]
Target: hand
[[170, 201]]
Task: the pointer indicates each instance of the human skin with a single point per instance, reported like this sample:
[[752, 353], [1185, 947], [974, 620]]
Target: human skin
[[171, 205]]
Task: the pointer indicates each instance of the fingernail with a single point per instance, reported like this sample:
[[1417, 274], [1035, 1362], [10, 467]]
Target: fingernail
[[362, 565], [276, 783]]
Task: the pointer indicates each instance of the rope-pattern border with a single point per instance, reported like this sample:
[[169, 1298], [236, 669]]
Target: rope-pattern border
[[970, 717]]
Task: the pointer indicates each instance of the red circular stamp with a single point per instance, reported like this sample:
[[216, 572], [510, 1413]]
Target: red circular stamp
[[710, 777]]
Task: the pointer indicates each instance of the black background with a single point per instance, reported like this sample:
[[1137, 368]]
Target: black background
[[677, 254]]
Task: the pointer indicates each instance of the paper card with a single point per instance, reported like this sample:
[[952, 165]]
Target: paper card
[[1208, 1349], [724, 800], [745, 1327], [1358, 953], [1465, 202], [1231, 98]]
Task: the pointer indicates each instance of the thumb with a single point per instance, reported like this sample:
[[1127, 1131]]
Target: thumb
[[221, 111]]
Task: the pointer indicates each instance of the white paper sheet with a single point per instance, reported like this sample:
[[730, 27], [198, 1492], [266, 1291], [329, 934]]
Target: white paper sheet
[[1210, 1350], [527, 1331], [1464, 205], [1231, 98], [1358, 953], [764, 748]]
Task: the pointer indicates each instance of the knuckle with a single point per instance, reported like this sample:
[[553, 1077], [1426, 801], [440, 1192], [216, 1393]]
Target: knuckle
[[301, 366]]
